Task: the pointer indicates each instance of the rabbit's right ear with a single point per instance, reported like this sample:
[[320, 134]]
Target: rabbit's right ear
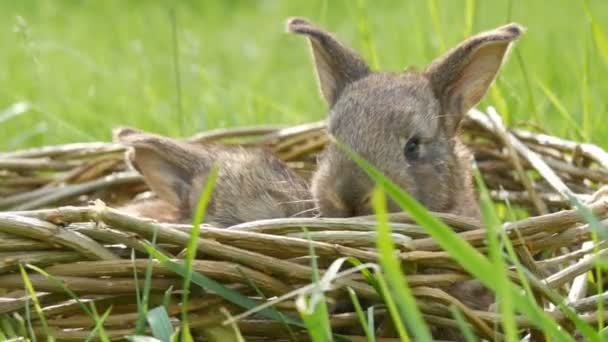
[[168, 166], [462, 76], [336, 65]]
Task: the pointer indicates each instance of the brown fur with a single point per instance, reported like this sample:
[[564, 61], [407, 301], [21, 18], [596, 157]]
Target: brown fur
[[375, 114], [252, 184]]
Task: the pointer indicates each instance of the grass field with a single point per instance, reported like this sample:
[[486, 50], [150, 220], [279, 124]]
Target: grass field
[[73, 70], [88, 66]]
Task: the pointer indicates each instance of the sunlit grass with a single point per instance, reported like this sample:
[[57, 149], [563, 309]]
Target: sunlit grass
[[195, 66], [235, 65]]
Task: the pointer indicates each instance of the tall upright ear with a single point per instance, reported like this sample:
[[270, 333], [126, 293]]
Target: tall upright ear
[[462, 76], [336, 65], [168, 166]]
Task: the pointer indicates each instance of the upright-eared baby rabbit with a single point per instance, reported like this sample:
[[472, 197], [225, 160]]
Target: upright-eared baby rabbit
[[405, 123], [252, 184]]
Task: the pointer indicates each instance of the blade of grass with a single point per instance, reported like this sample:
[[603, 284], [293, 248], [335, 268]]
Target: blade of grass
[[509, 11], [514, 259], [585, 94], [597, 233], [532, 103], [499, 102], [6, 326], [211, 285], [138, 297], [160, 324], [313, 310], [395, 278], [370, 321], [601, 41], [525, 276], [22, 330], [167, 297], [32, 294], [199, 216], [315, 318], [561, 109], [140, 338], [460, 250], [176, 67], [369, 331], [98, 323], [469, 16], [434, 12], [366, 37], [493, 227], [142, 306], [467, 333], [91, 312], [272, 308], [236, 333]]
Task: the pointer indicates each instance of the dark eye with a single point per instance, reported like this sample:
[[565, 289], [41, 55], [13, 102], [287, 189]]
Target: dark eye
[[411, 150]]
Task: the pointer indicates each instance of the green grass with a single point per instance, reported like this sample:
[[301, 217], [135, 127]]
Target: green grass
[[73, 70], [89, 66]]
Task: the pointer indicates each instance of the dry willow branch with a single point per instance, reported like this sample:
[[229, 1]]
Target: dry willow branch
[[90, 247]]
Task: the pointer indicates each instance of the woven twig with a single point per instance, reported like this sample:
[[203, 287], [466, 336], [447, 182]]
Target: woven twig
[[88, 247]]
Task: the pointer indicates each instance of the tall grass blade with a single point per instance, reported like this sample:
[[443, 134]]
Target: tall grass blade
[[436, 20], [313, 309], [99, 321], [143, 304], [500, 102], [601, 41], [6, 326], [467, 333], [469, 17], [141, 338], [235, 332], [597, 232], [91, 312], [531, 100], [191, 248], [367, 329], [167, 297], [32, 294], [209, 284], [160, 324], [460, 250], [493, 226], [366, 37], [561, 109], [176, 67], [272, 308], [391, 269]]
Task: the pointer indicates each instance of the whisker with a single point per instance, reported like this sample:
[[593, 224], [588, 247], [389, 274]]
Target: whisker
[[305, 211], [298, 201]]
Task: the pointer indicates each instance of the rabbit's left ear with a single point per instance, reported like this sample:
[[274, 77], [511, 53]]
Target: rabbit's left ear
[[168, 166], [336, 64], [461, 77]]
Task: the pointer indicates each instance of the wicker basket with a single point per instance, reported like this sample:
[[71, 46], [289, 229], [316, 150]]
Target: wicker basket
[[49, 220]]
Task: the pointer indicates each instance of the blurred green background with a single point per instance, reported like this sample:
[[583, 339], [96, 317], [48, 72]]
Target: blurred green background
[[73, 70]]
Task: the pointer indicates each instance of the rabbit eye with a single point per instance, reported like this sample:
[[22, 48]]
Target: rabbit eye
[[411, 150]]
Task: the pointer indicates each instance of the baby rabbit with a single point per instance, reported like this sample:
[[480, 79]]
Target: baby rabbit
[[252, 184], [405, 123]]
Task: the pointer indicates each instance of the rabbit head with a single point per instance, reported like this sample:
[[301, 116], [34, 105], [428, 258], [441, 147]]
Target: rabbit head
[[404, 123], [251, 184]]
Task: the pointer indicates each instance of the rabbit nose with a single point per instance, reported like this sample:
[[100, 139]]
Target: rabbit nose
[[365, 206], [332, 205], [353, 197]]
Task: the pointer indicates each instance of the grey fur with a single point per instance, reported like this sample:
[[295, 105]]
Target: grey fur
[[376, 113], [252, 184]]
